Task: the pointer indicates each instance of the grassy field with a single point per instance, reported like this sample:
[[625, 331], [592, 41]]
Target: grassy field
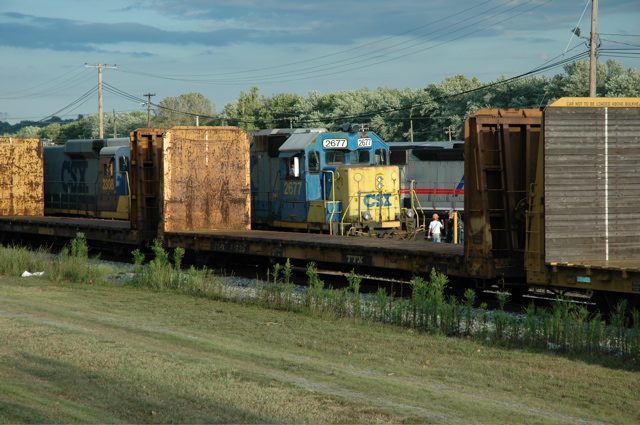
[[117, 354]]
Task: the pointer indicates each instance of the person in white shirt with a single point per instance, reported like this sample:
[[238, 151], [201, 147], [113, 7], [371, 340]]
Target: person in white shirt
[[435, 229]]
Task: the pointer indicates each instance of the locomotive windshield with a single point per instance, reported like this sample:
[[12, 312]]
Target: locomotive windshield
[[356, 157], [381, 156]]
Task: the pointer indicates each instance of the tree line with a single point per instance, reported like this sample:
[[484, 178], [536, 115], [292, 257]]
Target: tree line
[[437, 112]]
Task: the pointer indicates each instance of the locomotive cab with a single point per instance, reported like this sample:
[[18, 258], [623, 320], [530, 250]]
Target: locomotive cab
[[113, 193]]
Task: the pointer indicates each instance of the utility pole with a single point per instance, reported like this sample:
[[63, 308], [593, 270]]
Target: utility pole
[[291, 120], [100, 116], [592, 48], [449, 132], [411, 131], [115, 132], [149, 108]]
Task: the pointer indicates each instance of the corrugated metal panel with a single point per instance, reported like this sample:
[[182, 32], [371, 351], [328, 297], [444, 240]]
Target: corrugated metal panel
[[21, 177], [592, 182], [206, 179]]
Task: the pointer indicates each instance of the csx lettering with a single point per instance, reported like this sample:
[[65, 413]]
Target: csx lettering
[[292, 188], [355, 259], [377, 200], [72, 175]]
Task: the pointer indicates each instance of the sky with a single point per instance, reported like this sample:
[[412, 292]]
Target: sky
[[220, 48]]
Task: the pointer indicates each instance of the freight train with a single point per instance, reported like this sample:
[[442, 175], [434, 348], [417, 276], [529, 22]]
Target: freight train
[[551, 201], [302, 179]]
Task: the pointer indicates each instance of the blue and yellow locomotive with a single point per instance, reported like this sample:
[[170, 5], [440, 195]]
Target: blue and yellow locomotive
[[331, 182], [88, 178]]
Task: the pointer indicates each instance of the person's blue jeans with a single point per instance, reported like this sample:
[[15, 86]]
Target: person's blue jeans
[[436, 237]]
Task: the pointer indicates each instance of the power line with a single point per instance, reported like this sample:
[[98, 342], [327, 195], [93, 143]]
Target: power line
[[316, 72], [16, 94], [621, 35], [81, 100], [356, 48]]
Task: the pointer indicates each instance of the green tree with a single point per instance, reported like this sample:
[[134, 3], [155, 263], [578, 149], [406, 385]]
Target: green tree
[[84, 128], [29, 131], [621, 82], [314, 110], [450, 103], [279, 111], [612, 80], [393, 111], [184, 110], [246, 112], [52, 131], [124, 123]]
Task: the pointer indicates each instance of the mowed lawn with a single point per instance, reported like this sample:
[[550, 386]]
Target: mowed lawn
[[117, 354]]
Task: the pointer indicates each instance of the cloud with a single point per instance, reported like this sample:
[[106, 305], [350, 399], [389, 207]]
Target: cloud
[[276, 22], [30, 32]]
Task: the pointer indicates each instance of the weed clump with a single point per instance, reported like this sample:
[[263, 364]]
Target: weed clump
[[164, 272]]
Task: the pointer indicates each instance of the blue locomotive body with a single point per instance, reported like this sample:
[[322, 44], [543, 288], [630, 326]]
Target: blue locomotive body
[[88, 178]]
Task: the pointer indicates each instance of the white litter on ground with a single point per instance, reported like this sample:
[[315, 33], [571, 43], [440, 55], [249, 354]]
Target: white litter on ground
[[27, 274]]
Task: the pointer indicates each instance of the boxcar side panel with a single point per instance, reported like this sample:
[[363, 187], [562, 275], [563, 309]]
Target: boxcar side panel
[[592, 182], [206, 179], [21, 177], [501, 150]]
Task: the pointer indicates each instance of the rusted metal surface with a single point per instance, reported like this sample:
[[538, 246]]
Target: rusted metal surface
[[190, 179], [21, 177], [206, 179], [146, 165], [501, 148]]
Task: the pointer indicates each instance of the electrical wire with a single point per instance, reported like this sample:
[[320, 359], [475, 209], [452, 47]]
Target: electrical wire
[[118, 92], [371, 56], [355, 65], [72, 82], [78, 102], [359, 47], [619, 42]]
